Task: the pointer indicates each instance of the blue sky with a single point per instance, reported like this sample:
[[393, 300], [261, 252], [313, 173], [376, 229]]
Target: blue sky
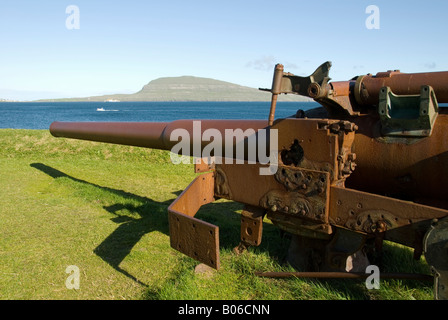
[[122, 45]]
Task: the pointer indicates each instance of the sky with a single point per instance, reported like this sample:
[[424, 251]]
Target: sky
[[48, 50]]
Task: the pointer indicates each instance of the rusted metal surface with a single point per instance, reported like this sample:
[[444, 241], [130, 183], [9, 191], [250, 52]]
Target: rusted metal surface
[[155, 135], [297, 195], [367, 88], [343, 177], [193, 237], [333, 137], [407, 168], [252, 225], [140, 134], [288, 83], [344, 275], [370, 213], [203, 165], [362, 211], [276, 90], [358, 95], [305, 194], [197, 194]]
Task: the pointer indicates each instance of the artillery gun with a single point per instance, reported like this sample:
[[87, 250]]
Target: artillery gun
[[370, 165]]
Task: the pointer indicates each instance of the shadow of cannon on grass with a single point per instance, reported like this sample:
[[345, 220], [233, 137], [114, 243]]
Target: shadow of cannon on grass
[[137, 216]]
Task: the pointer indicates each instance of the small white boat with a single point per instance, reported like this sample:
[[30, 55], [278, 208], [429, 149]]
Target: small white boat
[[100, 109]]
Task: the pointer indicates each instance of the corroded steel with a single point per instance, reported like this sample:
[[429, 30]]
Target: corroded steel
[[408, 168], [193, 237], [276, 90], [154, 135], [343, 275], [366, 212], [251, 227], [367, 87], [343, 180]]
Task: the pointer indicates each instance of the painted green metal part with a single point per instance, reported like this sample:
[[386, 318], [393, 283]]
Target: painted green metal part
[[407, 115]]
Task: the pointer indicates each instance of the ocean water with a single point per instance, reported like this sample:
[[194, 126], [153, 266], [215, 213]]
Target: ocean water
[[39, 115]]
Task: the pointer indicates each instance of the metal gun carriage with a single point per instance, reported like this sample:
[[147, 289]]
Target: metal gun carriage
[[370, 165]]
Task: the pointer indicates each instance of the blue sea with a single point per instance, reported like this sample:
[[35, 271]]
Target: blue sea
[[39, 115]]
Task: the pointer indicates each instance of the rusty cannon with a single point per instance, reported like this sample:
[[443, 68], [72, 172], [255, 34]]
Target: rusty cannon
[[370, 164]]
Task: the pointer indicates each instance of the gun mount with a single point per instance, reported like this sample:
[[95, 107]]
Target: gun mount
[[371, 165]]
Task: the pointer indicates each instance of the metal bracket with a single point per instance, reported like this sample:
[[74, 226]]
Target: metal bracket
[[343, 244], [204, 164], [407, 115], [313, 86], [251, 227], [285, 82], [193, 237]]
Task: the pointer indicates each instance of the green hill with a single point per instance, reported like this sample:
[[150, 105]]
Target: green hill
[[189, 88]]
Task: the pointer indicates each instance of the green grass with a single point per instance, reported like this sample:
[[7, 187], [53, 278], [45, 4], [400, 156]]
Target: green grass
[[103, 208]]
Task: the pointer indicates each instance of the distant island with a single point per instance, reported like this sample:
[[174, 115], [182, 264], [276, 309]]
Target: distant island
[[189, 88]]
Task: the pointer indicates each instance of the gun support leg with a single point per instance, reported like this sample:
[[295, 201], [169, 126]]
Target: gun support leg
[[251, 228], [343, 253], [189, 235], [346, 251]]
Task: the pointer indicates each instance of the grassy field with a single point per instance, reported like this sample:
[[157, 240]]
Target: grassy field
[[103, 209]]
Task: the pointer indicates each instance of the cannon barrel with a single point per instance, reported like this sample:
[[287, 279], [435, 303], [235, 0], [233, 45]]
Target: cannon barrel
[[155, 135]]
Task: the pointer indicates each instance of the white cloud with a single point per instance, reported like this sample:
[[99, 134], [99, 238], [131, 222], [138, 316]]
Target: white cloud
[[264, 63], [267, 63]]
